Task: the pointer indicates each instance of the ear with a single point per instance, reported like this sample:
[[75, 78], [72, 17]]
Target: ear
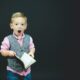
[[25, 27], [11, 26]]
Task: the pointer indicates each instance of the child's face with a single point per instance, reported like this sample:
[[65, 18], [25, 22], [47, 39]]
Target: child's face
[[18, 25]]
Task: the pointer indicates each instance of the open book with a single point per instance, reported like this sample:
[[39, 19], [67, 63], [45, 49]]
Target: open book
[[27, 60]]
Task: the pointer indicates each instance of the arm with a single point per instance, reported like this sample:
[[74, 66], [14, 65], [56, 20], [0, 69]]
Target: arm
[[32, 51], [5, 48], [6, 53], [32, 48]]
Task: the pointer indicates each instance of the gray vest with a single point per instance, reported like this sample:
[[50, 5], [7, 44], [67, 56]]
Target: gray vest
[[13, 62]]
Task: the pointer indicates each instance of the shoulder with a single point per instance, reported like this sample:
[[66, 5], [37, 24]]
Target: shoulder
[[6, 38], [27, 35], [9, 35], [30, 37]]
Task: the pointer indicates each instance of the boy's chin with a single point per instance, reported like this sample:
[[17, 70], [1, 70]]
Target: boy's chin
[[19, 34]]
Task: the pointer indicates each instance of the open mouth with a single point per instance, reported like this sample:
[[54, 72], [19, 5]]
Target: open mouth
[[19, 31]]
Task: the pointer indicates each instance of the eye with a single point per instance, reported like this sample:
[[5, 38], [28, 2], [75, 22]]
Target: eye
[[16, 24], [22, 24]]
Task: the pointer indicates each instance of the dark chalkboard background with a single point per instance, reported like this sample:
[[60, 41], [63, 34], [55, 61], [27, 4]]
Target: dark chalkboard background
[[48, 24]]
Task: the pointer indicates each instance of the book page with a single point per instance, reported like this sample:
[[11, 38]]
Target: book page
[[27, 60]]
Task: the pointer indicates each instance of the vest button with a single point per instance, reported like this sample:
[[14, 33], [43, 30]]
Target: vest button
[[21, 50]]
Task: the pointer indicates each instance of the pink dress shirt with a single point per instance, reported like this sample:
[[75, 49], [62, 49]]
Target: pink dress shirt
[[6, 45]]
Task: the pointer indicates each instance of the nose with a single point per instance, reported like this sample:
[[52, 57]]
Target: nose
[[19, 26]]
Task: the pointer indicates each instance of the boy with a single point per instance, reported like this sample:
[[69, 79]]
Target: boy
[[17, 43]]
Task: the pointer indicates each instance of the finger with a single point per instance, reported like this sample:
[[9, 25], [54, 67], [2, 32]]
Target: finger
[[14, 53]]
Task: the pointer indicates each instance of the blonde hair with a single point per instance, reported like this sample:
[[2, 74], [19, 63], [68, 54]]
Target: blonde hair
[[18, 14]]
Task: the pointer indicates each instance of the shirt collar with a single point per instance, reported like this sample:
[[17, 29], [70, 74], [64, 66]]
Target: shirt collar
[[19, 37]]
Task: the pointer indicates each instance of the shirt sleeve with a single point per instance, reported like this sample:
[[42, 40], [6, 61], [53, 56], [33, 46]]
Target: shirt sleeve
[[5, 44], [31, 43]]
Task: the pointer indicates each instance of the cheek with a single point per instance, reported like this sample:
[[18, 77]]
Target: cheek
[[14, 28], [25, 28]]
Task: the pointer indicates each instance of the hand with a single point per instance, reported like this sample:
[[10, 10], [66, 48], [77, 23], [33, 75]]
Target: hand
[[12, 53], [32, 51], [7, 53], [31, 54]]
